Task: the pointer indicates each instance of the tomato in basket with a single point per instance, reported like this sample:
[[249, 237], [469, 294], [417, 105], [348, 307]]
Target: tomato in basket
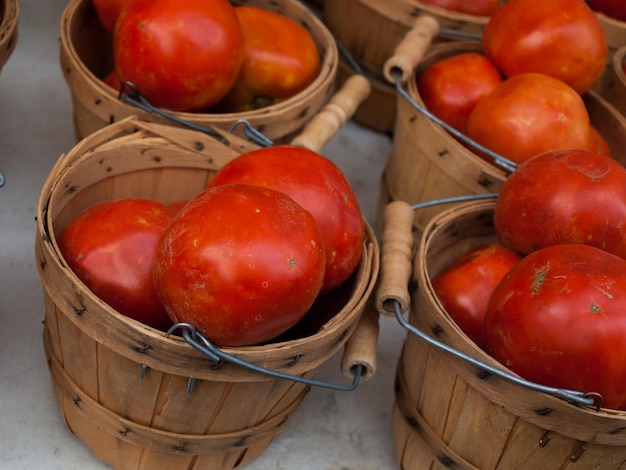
[[452, 87], [465, 286], [566, 196], [616, 9], [280, 60], [241, 263], [183, 55], [108, 11], [111, 247], [316, 183], [529, 114], [560, 38], [559, 319]]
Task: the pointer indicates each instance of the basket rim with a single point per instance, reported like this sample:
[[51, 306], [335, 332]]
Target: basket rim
[[325, 78]]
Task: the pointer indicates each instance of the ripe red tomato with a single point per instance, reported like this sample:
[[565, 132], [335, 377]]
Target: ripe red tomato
[[567, 196], [451, 88], [108, 11], [471, 7], [183, 55], [616, 9], [560, 38], [111, 247], [464, 287], [280, 60], [529, 114], [241, 263], [559, 318], [317, 184]]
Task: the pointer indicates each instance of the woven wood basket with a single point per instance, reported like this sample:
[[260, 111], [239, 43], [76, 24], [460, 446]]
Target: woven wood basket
[[121, 386], [614, 82], [9, 16], [427, 163], [449, 412], [371, 29], [615, 31], [86, 57]]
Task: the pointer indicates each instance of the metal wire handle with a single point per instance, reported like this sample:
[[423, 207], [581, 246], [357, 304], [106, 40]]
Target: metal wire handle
[[200, 343], [129, 94], [2, 179], [592, 399]]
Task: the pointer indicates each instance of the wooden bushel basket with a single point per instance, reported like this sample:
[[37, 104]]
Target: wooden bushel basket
[[9, 16], [370, 30], [124, 388], [614, 82], [86, 56], [453, 413], [426, 162]]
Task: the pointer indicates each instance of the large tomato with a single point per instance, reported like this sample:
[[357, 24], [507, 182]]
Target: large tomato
[[183, 55], [566, 196], [465, 286], [529, 114], [241, 263], [108, 11], [317, 184], [614, 8], [559, 318], [560, 38], [451, 88], [471, 7], [111, 247], [280, 60]]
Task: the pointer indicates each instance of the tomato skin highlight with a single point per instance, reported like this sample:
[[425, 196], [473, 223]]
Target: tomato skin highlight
[[241, 263], [567, 196], [183, 55], [111, 247], [318, 185], [528, 36], [559, 319]]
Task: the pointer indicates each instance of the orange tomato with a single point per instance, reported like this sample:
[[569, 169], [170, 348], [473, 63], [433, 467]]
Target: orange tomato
[[280, 60]]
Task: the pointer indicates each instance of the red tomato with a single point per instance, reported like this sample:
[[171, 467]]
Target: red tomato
[[111, 247], [280, 60], [616, 9], [567, 196], [451, 88], [183, 55], [471, 7], [113, 80], [108, 11], [560, 38], [529, 114], [241, 263], [317, 184], [600, 145], [464, 287], [559, 318]]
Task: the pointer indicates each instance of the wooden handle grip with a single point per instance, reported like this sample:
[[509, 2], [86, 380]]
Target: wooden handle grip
[[360, 349], [396, 264], [334, 114], [410, 51]]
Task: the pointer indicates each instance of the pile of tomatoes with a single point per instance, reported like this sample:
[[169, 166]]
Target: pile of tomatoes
[[207, 56], [520, 95], [276, 230], [549, 301]]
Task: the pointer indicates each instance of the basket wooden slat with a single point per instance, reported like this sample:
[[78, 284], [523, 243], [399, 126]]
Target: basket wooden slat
[[121, 385], [86, 57], [448, 411], [9, 16]]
